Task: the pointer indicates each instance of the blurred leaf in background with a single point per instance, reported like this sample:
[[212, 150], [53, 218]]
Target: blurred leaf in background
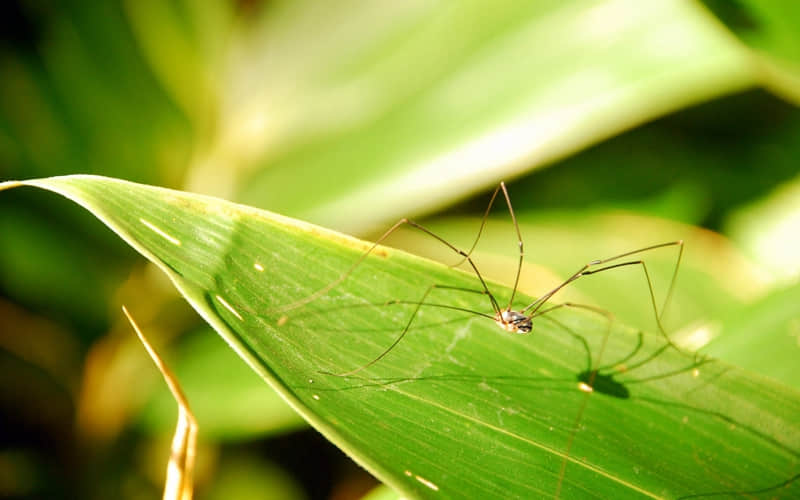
[[770, 29], [353, 115], [444, 101]]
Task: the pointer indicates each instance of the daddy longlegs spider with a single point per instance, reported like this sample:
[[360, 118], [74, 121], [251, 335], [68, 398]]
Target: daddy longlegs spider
[[519, 321]]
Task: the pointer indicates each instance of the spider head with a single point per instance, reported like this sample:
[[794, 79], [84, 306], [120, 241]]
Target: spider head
[[514, 322]]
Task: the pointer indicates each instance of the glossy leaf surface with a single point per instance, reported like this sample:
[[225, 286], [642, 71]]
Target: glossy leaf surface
[[459, 408]]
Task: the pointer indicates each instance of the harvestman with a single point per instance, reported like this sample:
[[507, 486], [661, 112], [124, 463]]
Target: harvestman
[[519, 321]]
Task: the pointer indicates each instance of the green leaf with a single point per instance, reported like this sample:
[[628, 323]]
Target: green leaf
[[460, 408], [246, 476], [422, 104], [770, 29], [83, 77], [764, 337], [769, 230]]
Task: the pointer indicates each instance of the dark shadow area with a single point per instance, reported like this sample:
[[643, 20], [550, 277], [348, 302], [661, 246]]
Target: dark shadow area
[[734, 14], [604, 384]]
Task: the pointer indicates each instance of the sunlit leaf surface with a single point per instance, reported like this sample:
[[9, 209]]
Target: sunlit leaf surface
[[769, 229], [764, 337], [459, 408], [419, 104]]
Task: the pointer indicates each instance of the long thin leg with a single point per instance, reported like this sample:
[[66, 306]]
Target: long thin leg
[[322, 291], [629, 356], [583, 271], [587, 269], [447, 306], [501, 186], [483, 223], [519, 242], [411, 319]]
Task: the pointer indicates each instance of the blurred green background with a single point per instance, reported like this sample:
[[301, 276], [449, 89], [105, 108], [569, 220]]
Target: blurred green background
[[615, 126]]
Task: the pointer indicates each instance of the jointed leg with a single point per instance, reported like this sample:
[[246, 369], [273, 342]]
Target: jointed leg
[[327, 288], [501, 186], [411, 319], [590, 268]]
